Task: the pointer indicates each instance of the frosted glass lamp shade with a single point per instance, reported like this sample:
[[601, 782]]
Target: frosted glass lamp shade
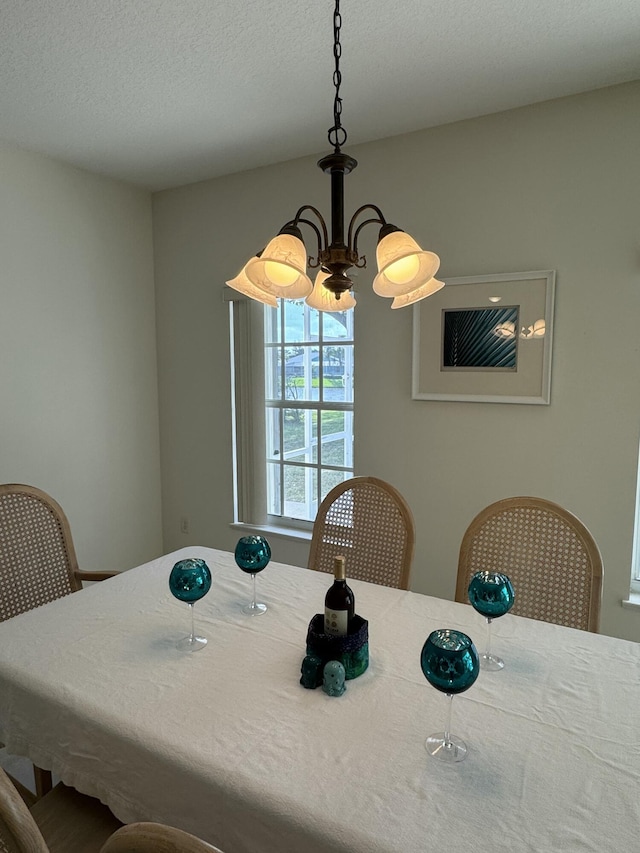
[[281, 269], [506, 330], [402, 265], [428, 289], [324, 300], [242, 284], [538, 329]]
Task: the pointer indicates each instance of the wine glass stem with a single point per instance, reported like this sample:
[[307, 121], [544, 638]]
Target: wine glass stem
[[253, 589], [192, 624], [447, 727], [488, 646]]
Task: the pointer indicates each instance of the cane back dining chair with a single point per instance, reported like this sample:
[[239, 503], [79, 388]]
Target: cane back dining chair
[[368, 522], [155, 838], [63, 821], [37, 560], [550, 556]]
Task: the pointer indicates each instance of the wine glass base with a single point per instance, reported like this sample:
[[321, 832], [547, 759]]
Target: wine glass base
[[450, 750], [254, 609], [491, 663], [191, 644]]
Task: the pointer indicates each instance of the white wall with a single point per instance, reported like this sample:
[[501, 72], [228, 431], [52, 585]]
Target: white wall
[[551, 186], [78, 379]]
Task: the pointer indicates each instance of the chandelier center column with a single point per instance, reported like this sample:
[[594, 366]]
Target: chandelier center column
[[337, 258]]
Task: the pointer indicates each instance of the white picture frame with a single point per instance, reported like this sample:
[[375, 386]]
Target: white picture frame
[[504, 324]]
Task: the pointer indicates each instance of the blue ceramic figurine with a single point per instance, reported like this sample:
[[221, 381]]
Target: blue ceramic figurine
[[334, 678], [311, 670]]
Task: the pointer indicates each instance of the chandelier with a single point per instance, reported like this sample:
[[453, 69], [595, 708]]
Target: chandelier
[[406, 273]]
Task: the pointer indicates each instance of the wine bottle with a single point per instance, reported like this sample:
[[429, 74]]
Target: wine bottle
[[339, 602]]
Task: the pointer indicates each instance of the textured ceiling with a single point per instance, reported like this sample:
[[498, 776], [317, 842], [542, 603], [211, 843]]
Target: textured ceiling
[[166, 92]]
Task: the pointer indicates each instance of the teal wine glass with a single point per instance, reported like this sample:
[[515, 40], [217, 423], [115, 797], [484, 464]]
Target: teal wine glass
[[450, 663], [492, 595], [252, 555], [189, 581]]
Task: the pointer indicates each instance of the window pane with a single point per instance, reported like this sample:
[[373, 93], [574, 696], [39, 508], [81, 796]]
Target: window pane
[[300, 489], [274, 507], [337, 327], [301, 322], [273, 372], [337, 370], [300, 435], [314, 324], [272, 426], [337, 440], [302, 373], [331, 479]]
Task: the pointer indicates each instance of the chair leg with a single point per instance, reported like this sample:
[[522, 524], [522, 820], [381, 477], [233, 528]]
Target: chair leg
[[43, 781]]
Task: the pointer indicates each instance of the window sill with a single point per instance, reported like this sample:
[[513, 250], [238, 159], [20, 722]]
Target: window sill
[[271, 530], [633, 602]]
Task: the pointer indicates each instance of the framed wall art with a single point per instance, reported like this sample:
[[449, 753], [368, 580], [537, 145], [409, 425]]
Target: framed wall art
[[486, 339]]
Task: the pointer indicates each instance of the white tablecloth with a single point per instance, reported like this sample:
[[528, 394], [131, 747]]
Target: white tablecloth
[[227, 744]]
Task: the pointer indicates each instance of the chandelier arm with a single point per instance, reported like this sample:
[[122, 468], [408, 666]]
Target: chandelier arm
[[298, 218], [359, 229], [318, 235], [352, 240]]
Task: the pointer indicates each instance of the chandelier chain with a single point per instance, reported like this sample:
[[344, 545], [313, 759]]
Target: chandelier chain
[[337, 134]]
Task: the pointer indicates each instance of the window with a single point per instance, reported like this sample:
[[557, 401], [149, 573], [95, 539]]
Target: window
[[293, 408], [309, 406]]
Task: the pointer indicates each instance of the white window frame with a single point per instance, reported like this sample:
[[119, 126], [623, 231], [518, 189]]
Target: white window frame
[[248, 405], [279, 403]]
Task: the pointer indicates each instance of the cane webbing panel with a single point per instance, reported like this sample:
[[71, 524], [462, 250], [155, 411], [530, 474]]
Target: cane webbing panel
[[37, 560], [549, 555], [370, 523]]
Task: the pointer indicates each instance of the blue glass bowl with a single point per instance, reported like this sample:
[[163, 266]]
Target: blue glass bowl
[[190, 580], [252, 554], [491, 594], [449, 661]]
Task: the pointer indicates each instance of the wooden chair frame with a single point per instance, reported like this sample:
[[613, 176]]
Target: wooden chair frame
[[155, 838], [17, 822], [521, 521], [395, 530], [63, 820]]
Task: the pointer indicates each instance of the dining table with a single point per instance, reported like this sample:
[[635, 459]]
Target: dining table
[[227, 744]]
